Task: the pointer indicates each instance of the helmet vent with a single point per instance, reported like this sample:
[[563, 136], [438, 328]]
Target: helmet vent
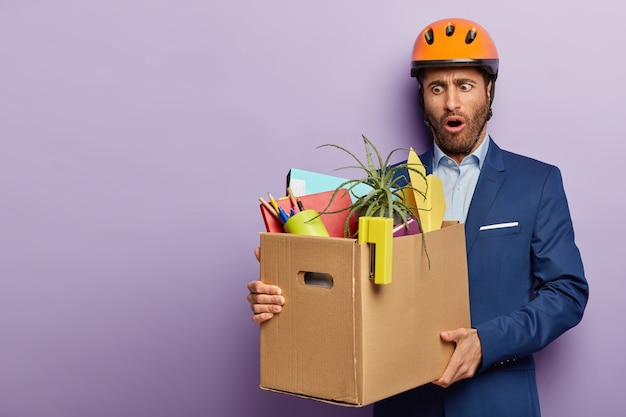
[[430, 38], [471, 35], [449, 29]]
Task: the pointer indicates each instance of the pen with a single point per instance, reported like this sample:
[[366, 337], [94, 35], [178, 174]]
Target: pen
[[282, 215], [300, 205]]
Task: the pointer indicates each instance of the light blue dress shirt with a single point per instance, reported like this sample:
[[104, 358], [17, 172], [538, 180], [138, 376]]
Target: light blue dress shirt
[[459, 180]]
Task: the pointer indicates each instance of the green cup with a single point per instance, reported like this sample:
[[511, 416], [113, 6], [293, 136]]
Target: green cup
[[307, 222]]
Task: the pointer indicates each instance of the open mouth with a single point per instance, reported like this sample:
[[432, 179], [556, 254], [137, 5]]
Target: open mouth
[[454, 124]]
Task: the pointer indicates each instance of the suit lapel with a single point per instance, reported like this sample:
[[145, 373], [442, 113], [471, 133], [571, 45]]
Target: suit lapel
[[492, 176], [427, 159]]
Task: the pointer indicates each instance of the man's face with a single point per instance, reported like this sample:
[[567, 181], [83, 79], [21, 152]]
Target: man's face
[[456, 104]]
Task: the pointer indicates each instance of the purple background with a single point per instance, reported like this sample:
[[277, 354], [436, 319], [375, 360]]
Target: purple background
[[138, 134]]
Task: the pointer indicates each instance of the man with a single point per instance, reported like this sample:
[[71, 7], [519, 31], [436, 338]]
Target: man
[[526, 278]]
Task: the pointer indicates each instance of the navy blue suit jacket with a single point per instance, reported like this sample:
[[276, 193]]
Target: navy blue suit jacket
[[527, 287]]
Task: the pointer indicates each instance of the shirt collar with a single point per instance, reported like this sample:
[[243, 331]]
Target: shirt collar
[[479, 154]]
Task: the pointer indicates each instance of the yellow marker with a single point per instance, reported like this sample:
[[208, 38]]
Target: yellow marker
[[378, 231]]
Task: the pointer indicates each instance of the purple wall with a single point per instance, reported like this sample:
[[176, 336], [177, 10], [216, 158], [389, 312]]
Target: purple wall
[[137, 136]]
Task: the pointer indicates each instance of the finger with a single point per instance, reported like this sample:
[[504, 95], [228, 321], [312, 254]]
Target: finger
[[260, 318], [446, 379], [264, 312], [258, 287], [257, 253], [265, 299], [442, 383], [458, 368], [266, 308], [449, 377]]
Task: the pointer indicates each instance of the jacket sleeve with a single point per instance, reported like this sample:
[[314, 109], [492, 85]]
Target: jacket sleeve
[[560, 292]]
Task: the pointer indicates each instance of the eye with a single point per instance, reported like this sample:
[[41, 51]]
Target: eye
[[465, 87], [437, 89]]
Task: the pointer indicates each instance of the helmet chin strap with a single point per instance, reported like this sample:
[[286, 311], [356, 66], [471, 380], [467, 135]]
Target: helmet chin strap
[[467, 152]]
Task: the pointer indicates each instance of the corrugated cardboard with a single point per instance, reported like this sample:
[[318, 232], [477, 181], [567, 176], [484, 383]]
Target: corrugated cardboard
[[357, 342]]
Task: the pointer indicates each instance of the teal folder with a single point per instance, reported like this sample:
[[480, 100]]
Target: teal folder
[[304, 182]]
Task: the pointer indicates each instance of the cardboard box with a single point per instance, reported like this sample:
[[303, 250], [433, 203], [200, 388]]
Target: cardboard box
[[357, 342]]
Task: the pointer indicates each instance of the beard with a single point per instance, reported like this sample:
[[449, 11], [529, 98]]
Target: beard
[[459, 143]]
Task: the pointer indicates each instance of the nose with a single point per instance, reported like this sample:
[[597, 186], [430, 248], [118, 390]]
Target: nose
[[452, 99]]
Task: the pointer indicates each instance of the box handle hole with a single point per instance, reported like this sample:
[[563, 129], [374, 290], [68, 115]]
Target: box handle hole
[[318, 279]]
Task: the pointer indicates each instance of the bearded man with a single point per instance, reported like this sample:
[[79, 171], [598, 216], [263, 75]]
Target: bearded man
[[526, 279]]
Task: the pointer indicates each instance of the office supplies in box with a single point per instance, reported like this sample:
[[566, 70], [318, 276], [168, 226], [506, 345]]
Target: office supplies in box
[[334, 219], [342, 339]]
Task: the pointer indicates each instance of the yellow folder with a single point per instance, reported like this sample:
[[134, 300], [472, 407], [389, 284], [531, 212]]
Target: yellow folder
[[433, 206]]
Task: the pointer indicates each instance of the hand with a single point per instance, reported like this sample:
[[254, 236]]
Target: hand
[[465, 359], [265, 300]]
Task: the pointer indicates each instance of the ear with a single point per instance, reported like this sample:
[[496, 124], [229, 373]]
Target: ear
[[491, 89]]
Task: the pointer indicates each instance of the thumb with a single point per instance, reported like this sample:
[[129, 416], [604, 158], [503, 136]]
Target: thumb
[[257, 253], [448, 336]]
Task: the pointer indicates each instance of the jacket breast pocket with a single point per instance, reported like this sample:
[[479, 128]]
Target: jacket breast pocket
[[499, 229]]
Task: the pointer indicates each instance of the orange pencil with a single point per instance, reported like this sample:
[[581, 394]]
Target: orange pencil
[[294, 202]]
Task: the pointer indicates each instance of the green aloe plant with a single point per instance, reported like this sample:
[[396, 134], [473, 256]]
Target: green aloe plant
[[388, 182]]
